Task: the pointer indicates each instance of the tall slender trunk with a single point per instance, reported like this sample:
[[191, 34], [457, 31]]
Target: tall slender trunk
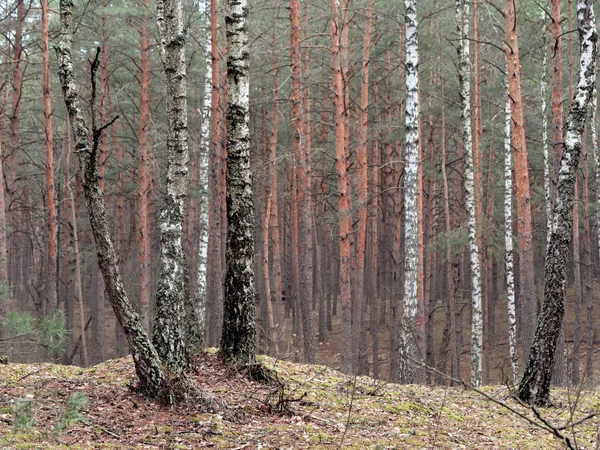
[[373, 246], [274, 228], [238, 340], [358, 334], [52, 261], [463, 17], [303, 195], [196, 330], [168, 333], [590, 300], [215, 260], [120, 341], [535, 385], [144, 189], [343, 202], [576, 349], [451, 346], [525, 239], [411, 322]]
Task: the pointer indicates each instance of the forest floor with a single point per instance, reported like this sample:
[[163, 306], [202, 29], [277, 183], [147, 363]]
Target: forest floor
[[303, 407]]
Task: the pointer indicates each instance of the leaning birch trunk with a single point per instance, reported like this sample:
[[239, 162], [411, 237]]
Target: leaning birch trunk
[[508, 245], [238, 345], [409, 344], [463, 16], [535, 385], [195, 329], [146, 360], [168, 330]]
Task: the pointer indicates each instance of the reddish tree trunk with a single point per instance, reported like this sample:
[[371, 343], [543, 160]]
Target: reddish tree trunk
[[343, 202], [143, 175], [525, 239]]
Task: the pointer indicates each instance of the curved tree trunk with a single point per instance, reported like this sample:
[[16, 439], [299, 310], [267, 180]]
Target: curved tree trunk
[[145, 357], [535, 384]]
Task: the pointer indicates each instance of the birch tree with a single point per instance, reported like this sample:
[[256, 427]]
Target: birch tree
[[463, 17], [409, 344], [508, 244], [147, 363], [195, 329], [238, 345], [168, 331], [535, 384]]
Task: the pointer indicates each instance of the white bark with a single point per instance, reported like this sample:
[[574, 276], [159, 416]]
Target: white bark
[[146, 360], [508, 244], [547, 158], [203, 178], [408, 334], [535, 385], [172, 292], [463, 17], [238, 344]]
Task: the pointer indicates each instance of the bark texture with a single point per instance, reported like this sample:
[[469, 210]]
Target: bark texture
[[463, 17], [525, 239], [195, 329], [168, 333], [508, 245], [343, 201], [411, 324], [535, 384], [238, 345], [146, 360]]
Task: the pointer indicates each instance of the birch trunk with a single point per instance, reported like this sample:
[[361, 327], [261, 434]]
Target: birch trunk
[[535, 384], [238, 339], [409, 343], [463, 16], [508, 245], [168, 331], [145, 357], [195, 330]]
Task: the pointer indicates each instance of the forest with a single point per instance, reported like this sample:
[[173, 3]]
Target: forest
[[249, 196]]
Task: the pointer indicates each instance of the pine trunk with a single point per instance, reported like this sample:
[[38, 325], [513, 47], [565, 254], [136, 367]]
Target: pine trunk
[[525, 240], [143, 175]]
